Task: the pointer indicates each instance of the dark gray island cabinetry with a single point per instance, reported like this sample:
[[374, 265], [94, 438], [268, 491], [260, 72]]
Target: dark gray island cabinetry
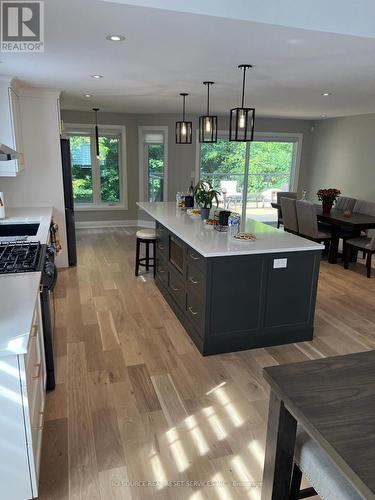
[[247, 296]]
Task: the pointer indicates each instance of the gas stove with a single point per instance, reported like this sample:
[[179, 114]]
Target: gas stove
[[21, 257]]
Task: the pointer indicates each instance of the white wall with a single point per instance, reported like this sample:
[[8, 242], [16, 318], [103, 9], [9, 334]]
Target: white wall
[[343, 156], [40, 183]]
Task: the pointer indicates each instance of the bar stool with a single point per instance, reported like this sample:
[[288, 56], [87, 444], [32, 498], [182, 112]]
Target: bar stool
[[148, 237]]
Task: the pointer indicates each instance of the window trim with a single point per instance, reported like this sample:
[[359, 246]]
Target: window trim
[[141, 158], [85, 128], [296, 137]]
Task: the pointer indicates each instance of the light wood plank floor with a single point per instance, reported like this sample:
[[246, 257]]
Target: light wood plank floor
[[136, 406]]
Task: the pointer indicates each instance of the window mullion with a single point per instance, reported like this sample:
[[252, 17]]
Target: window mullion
[[95, 173], [246, 180]]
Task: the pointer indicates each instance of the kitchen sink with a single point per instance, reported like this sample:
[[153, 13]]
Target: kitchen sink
[[21, 229]]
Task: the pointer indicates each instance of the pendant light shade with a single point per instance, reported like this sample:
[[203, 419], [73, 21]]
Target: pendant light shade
[[184, 129], [208, 123], [241, 125], [96, 132]]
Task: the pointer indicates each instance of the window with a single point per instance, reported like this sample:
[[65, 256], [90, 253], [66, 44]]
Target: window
[[97, 183], [249, 175], [153, 152]]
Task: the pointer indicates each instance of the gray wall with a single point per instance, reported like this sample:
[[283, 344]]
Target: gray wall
[[181, 158], [343, 156]]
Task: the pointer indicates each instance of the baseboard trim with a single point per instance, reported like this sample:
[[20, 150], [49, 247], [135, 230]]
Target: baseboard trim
[[101, 224]]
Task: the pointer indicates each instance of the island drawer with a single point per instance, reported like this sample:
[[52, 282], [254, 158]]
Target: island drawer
[[162, 270], [176, 287], [195, 258], [195, 279], [162, 233], [195, 312]]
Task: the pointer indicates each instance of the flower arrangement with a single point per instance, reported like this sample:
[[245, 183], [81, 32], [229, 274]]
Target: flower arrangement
[[330, 194]]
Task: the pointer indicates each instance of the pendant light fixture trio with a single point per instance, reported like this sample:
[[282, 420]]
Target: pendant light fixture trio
[[241, 124], [208, 123], [184, 129], [96, 132]]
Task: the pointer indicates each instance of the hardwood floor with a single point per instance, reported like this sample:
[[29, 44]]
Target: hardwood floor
[[136, 406]]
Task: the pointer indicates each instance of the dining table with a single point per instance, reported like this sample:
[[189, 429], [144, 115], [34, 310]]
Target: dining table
[[341, 223], [333, 399]]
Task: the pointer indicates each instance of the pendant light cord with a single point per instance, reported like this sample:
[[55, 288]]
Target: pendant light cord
[[183, 107], [243, 87], [208, 99]]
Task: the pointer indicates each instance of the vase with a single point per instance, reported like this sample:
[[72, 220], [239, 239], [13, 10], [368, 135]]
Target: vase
[[205, 213], [327, 207]]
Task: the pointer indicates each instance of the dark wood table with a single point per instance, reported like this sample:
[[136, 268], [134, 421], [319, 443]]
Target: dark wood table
[[334, 400], [339, 223]]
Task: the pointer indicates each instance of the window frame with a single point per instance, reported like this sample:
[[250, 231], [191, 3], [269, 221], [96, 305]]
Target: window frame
[[118, 130], [142, 157], [297, 138]]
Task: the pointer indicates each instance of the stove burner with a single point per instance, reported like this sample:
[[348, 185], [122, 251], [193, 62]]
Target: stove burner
[[19, 257]]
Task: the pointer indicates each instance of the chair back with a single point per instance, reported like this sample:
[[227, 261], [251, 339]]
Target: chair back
[[371, 234], [229, 187], [288, 208], [307, 218], [284, 194], [345, 203], [364, 207]]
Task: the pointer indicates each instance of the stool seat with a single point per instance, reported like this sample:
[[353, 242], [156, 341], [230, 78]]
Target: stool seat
[[146, 234]]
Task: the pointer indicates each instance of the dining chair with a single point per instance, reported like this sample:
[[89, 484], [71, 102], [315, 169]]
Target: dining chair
[[326, 480], [364, 207], [345, 203], [288, 208], [308, 223], [279, 195], [364, 243]]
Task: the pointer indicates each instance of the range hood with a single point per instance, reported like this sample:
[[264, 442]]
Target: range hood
[[7, 153]]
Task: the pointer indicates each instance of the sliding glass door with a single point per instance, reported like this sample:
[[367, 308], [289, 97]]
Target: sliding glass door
[[248, 175]]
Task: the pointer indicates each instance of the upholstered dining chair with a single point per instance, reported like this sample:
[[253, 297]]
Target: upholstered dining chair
[[288, 208], [308, 223], [279, 195], [364, 243], [321, 472], [345, 203]]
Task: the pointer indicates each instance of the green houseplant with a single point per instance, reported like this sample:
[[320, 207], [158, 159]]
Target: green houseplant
[[204, 195]]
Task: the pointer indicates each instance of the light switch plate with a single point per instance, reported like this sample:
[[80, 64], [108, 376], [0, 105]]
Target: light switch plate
[[280, 263]]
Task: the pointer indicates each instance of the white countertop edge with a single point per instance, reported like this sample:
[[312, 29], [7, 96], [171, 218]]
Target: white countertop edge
[[43, 215], [314, 246]]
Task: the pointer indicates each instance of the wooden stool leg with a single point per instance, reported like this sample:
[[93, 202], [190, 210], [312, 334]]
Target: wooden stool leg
[[368, 264], [138, 246], [147, 255], [346, 256], [154, 255]]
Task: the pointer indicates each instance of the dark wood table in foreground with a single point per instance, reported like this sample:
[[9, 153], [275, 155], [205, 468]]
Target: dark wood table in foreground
[[334, 400], [338, 222]]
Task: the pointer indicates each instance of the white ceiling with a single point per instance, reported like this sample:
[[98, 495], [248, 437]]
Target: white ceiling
[[167, 52]]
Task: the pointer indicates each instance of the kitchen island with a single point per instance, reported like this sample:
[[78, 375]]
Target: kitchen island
[[232, 295]]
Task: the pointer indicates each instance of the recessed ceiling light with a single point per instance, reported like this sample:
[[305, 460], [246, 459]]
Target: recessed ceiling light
[[96, 76], [88, 95], [115, 38], [323, 116], [325, 94]]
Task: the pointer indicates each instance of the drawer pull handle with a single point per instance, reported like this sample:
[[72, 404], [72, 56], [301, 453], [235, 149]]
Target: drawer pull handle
[[41, 421], [38, 367], [174, 288], [161, 247], [193, 256], [161, 271], [194, 313], [192, 280], [34, 331]]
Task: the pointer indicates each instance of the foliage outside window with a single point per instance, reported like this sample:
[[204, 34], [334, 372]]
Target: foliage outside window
[[96, 181], [155, 156]]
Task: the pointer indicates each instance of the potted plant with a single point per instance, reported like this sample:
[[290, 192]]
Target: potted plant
[[204, 195], [328, 197]]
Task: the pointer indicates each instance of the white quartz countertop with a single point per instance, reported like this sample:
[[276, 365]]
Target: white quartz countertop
[[210, 243], [18, 294], [29, 215]]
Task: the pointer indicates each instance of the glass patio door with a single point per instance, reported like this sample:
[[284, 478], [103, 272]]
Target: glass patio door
[[249, 175]]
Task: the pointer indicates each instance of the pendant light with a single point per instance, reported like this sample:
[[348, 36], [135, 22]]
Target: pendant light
[[241, 125], [207, 123], [184, 129], [96, 132]]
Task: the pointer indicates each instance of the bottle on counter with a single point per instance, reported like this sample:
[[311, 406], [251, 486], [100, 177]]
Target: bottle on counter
[[304, 194]]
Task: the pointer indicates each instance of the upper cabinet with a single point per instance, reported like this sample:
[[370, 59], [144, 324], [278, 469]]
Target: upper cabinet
[[10, 128]]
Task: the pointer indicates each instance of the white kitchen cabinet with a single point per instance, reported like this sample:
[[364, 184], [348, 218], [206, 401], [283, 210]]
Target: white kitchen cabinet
[[22, 398], [10, 127]]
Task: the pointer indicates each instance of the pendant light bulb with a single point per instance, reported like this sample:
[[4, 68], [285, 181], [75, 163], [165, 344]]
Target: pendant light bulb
[[207, 126], [183, 129], [241, 120]]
